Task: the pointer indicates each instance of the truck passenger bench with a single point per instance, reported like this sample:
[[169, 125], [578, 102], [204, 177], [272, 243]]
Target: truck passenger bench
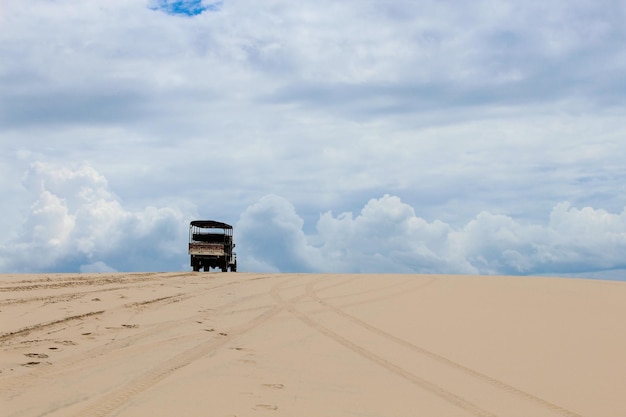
[[205, 237]]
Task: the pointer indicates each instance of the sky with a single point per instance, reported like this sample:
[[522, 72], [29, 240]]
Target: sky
[[483, 137]]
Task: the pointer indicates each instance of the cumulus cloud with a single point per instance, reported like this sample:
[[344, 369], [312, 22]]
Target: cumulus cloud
[[388, 236], [270, 234], [76, 223]]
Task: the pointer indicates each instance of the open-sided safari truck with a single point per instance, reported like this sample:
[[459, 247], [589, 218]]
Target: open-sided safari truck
[[211, 246]]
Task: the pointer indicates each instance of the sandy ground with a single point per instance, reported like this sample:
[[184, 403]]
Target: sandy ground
[[245, 344]]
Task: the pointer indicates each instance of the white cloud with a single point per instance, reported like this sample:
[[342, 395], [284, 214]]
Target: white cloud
[[387, 236], [270, 237], [76, 222]]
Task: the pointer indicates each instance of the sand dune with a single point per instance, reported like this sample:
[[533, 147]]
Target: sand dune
[[247, 344]]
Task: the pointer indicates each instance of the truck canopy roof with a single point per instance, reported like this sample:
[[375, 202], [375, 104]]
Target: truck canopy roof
[[210, 224]]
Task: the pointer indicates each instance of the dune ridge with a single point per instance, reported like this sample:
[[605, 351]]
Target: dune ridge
[[242, 344]]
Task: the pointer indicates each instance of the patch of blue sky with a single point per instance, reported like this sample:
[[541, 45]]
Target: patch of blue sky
[[184, 7]]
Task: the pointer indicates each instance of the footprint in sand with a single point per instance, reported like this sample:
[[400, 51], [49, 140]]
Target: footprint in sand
[[36, 355], [274, 386], [265, 407]]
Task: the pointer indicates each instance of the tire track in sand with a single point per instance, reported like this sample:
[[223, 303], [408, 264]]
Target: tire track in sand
[[426, 385], [14, 386], [59, 297], [41, 326], [73, 281], [138, 280], [78, 281], [117, 398], [134, 278], [384, 296], [310, 290]]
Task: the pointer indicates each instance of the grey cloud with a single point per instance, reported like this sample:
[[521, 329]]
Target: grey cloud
[[541, 86], [66, 107], [387, 236], [527, 54], [380, 66]]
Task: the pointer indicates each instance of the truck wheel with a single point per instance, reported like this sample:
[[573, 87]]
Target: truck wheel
[[233, 268], [195, 265]]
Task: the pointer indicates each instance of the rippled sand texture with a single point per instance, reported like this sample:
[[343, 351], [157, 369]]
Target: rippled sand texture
[[246, 344]]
